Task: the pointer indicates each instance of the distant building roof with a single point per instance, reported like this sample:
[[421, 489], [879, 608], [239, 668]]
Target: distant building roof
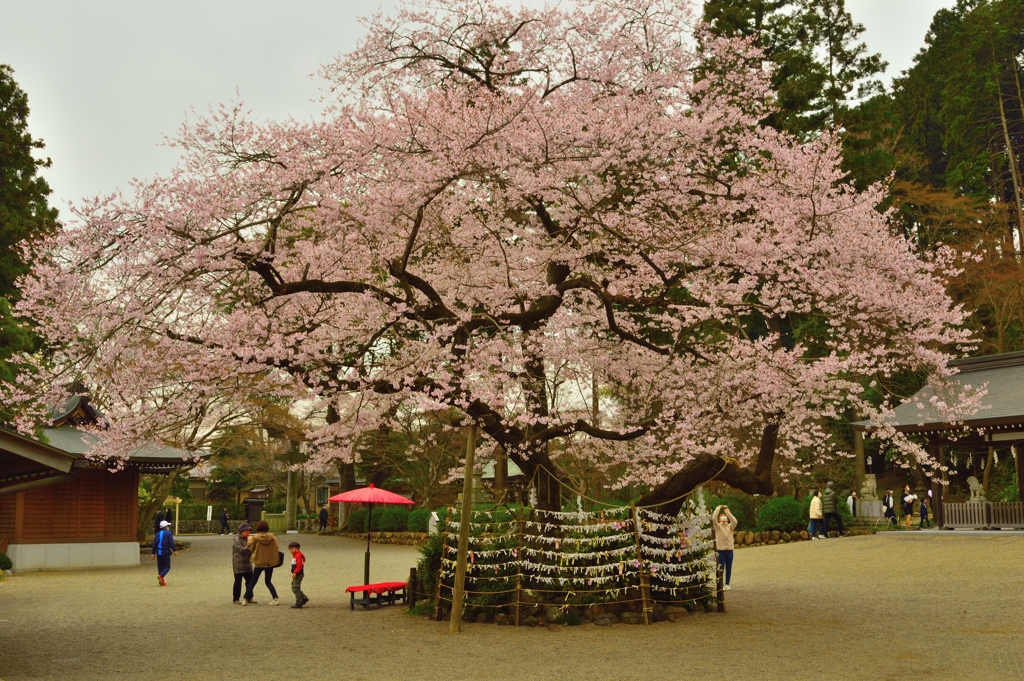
[[1003, 378]]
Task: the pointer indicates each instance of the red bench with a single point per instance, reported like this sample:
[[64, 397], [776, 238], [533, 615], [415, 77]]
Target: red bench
[[377, 593]]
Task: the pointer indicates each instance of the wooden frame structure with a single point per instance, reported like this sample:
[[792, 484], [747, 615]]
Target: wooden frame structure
[[999, 423]]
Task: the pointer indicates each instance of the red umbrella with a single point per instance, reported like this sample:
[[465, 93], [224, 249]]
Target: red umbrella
[[369, 495]]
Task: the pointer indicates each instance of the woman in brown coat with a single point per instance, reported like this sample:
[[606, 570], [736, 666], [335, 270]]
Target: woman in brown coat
[[265, 558]]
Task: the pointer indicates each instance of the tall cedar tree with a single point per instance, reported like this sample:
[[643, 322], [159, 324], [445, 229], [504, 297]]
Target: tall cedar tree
[[820, 67], [24, 213]]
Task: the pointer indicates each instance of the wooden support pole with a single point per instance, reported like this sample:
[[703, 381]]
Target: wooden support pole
[[459, 588], [644, 595], [411, 589], [519, 566], [440, 569], [860, 469], [720, 587]]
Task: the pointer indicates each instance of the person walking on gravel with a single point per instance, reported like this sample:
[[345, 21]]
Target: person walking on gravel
[[324, 517], [724, 524], [265, 558], [815, 513], [298, 572], [889, 506], [925, 522], [240, 561], [163, 547], [830, 509], [908, 499], [224, 527]]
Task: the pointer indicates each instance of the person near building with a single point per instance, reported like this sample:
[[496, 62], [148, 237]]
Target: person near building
[[889, 507], [925, 522], [724, 524], [224, 527], [907, 499], [163, 547], [324, 517]]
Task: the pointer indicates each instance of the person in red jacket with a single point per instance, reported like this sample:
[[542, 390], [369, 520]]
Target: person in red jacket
[[298, 572]]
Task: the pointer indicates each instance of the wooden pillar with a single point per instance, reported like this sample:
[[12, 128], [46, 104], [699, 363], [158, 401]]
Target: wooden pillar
[[858, 454], [936, 453], [1018, 458], [500, 470], [459, 588]]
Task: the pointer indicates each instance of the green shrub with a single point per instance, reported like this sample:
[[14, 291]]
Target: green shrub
[[784, 514], [429, 565], [357, 520], [419, 520], [5, 561], [393, 519]]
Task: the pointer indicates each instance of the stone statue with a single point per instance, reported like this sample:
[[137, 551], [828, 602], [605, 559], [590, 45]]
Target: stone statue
[[977, 491], [868, 491]]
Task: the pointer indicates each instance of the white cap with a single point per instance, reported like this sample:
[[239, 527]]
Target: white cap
[[164, 523]]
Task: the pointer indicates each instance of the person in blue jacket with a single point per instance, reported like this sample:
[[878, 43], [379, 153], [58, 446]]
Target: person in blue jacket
[[163, 547]]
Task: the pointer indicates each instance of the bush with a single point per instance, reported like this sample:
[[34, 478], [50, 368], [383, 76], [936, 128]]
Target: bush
[[393, 519], [5, 561], [357, 520], [419, 520], [784, 514], [429, 565]]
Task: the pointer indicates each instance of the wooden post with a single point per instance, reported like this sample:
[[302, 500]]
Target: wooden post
[[1019, 461], [644, 596], [440, 570], [459, 588], [411, 589], [860, 470], [720, 584], [500, 470], [519, 568]]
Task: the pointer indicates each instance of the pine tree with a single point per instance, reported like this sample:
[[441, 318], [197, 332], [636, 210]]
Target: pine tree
[[24, 212]]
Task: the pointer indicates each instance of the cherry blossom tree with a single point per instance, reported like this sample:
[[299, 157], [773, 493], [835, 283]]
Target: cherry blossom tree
[[493, 198]]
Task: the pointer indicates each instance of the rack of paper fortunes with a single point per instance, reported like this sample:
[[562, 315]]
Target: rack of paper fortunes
[[627, 557]]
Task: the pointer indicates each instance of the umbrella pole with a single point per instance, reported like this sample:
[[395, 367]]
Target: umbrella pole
[[366, 558]]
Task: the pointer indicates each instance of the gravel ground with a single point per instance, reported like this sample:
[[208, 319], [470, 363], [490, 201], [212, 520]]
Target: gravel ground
[[925, 607]]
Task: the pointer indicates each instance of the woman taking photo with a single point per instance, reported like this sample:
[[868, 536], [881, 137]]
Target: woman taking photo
[[265, 557]]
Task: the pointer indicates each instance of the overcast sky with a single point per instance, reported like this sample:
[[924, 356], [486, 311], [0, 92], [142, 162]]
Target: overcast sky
[[108, 79]]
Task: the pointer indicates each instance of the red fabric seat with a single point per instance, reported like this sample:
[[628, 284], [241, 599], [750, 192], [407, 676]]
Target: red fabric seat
[[379, 588]]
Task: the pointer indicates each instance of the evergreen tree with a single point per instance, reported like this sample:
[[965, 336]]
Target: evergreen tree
[[24, 212], [821, 68]]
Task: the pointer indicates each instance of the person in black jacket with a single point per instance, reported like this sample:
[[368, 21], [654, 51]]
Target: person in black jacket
[[925, 522], [157, 520], [224, 527], [889, 505], [324, 517]]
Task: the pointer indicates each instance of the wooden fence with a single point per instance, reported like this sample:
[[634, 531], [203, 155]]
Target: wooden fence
[[982, 516]]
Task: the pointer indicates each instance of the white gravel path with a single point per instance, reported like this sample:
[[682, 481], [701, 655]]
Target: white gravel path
[[858, 608]]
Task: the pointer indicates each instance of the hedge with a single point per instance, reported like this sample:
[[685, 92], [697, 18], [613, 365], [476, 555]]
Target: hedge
[[419, 520], [784, 514], [393, 519], [5, 561]]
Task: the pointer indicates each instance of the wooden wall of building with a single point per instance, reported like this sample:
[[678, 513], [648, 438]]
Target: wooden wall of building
[[8, 503], [98, 506]]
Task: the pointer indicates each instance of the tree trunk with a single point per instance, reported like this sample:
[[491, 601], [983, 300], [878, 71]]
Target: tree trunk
[[668, 497], [542, 473], [1011, 159], [161, 489]]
